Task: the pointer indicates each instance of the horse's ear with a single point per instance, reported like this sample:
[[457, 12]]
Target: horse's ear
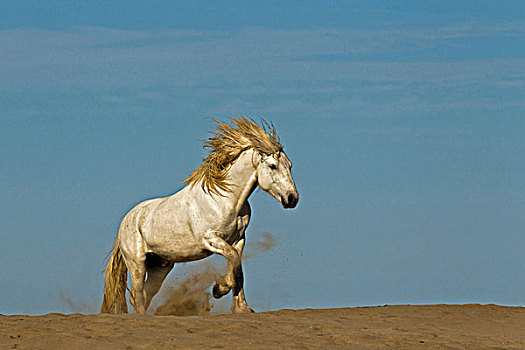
[[257, 158]]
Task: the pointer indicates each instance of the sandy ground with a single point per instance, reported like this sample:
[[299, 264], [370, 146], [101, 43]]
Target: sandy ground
[[387, 327]]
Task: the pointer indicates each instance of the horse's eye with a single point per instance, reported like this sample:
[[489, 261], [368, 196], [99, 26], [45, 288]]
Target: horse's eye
[[273, 166]]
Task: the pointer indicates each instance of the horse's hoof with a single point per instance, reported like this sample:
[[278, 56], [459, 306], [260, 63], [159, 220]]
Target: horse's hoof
[[242, 310], [219, 291], [247, 310], [215, 292]]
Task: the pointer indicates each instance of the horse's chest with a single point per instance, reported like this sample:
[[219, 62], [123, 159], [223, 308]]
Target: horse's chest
[[235, 231]]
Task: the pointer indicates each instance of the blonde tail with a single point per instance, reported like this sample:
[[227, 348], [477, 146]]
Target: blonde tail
[[115, 283]]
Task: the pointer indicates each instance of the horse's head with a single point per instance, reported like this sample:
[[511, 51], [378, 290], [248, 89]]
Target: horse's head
[[275, 177]]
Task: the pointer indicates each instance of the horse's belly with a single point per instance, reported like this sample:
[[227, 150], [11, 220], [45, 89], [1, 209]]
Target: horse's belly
[[177, 247], [182, 256], [174, 239]]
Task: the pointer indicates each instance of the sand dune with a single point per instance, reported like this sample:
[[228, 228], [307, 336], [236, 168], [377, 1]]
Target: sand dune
[[388, 327]]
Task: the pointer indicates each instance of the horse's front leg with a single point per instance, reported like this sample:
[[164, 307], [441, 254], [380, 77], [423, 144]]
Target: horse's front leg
[[217, 245], [239, 303]]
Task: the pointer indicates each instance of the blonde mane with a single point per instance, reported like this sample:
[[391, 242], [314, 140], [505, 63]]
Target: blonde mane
[[229, 140]]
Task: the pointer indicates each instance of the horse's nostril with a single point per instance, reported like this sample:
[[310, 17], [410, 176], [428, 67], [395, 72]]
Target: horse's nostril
[[291, 199]]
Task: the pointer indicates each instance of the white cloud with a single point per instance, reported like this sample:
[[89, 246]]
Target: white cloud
[[251, 68], [99, 56]]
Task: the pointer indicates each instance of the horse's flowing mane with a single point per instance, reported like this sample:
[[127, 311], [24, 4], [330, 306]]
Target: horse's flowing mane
[[228, 141]]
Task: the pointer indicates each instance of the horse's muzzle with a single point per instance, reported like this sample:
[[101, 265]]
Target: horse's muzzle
[[290, 201]]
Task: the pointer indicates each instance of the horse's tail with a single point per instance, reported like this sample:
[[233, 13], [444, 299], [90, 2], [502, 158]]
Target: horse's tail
[[115, 283]]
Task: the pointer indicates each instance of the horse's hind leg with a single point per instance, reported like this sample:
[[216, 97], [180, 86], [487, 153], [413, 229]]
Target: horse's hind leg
[[137, 271], [157, 270], [133, 249]]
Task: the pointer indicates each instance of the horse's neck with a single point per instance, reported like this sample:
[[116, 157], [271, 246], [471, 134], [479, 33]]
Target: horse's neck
[[242, 178]]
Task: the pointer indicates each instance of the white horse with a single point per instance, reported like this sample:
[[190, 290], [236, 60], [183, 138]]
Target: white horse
[[209, 215]]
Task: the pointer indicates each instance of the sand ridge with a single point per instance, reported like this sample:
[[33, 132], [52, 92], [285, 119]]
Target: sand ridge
[[389, 327]]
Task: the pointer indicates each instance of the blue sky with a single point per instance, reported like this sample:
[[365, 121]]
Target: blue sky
[[404, 121]]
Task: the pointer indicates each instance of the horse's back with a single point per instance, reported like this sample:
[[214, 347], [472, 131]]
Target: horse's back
[[136, 217]]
